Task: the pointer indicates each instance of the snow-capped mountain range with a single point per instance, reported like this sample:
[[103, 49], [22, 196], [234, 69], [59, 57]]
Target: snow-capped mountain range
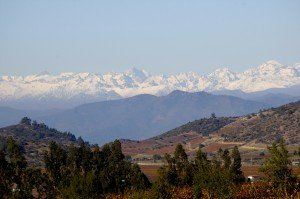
[[87, 86]]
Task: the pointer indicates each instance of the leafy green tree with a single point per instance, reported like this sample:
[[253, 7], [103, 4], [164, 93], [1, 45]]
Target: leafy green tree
[[184, 169], [226, 159], [14, 173], [81, 186], [156, 157], [31, 179], [97, 166], [118, 168], [72, 162], [211, 177], [116, 152], [16, 158], [55, 162], [178, 171], [17, 161], [200, 166], [277, 167], [162, 186], [170, 170], [90, 173], [106, 150], [35, 179], [235, 168], [84, 157], [5, 180], [138, 180], [81, 179], [25, 121], [104, 175]]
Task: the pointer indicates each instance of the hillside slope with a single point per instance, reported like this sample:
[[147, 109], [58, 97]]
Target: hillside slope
[[34, 138], [267, 126], [145, 116], [252, 133]]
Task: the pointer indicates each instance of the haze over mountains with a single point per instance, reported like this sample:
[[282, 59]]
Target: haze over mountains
[[139, 117], [137, 105], [68, 90]]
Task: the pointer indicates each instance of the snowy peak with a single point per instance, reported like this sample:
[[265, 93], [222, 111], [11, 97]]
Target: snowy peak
[[270, 68], [69, 85], [225, 75], [140, 75], [273, 63]]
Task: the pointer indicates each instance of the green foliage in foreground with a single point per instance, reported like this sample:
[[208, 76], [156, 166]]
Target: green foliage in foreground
[[277, 168], [74, 173], [84, 172], [215, 177], [221, 177]]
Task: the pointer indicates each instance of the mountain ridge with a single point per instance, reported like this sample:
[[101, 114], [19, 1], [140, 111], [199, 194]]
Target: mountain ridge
[[71, 89], [141, 116], [253, 133]]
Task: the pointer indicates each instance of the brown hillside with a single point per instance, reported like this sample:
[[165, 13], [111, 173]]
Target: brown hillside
[[34, 139], [252, 133], [267, 126]]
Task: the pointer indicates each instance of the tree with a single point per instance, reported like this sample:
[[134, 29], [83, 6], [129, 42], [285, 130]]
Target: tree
[[225, 155], [25, 121], [235, 168], [178, 169], [213, 115], [116, 168], [211, 177], [17, 168], [5, 180], [170, 170], [156, 157], [162, 184], [90, 173], [117, 174], [16, 160], [84, 157], [277, 167], [183, 167], [72, 163], [55, 161], [14, 154], [138, 180]]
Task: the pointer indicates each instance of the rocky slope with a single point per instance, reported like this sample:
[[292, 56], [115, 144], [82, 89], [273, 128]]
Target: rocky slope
[[252, 133]]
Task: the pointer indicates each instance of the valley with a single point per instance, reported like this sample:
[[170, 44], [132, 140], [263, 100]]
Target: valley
[[252, 133]]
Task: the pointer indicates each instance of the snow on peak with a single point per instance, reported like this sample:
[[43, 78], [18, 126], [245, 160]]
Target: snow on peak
[[141, 75], [223, 75], [43, 73], [66, 74], [271, 74], [274, 63], [270, 67]]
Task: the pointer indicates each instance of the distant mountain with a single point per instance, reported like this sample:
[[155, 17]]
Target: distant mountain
[[252, 133], [274, 96], [262, 127], [144, 116], [68, 90], [11, 116]]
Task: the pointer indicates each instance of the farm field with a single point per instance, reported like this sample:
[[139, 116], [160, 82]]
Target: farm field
[[151, 171]]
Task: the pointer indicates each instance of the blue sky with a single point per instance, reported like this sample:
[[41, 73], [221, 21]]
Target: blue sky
[[161, 36]]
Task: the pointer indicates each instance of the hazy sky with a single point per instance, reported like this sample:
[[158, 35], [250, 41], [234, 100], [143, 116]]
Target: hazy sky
[[161, 36]]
